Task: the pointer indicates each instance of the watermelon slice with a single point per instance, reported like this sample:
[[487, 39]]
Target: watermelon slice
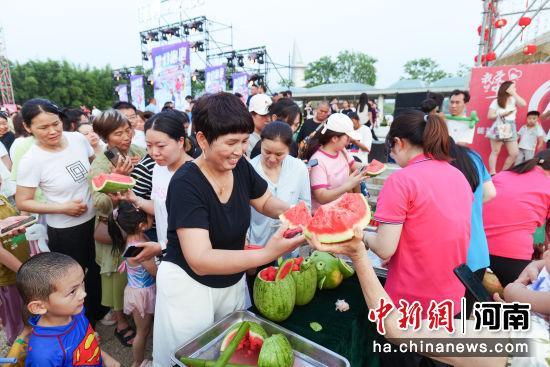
[[284, 269], [112, 182], [334, 222], [297, 217], [375, 168]]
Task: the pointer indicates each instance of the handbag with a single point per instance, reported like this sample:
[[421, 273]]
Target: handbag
[[101, 232]]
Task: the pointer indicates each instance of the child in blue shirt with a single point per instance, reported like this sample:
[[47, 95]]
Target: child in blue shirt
[[52, 287]]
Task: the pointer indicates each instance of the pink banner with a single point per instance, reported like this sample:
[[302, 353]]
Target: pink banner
[[532, 84]]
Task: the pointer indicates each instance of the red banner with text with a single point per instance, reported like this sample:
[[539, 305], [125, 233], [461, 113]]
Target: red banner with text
[[532, 84]]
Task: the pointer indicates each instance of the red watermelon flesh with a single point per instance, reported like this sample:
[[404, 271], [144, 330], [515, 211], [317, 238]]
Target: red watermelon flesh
[[334, 222], [268, 274], [375, 168], [284, 269], [297, 216]]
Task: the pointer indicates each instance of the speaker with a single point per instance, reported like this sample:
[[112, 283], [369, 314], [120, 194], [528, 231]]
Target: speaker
[[408, 101]]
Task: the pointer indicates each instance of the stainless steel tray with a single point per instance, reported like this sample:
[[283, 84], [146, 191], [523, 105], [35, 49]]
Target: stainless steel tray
[[306, 353]]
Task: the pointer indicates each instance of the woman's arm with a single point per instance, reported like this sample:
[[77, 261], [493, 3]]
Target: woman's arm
[[7, 162], [384, 242], [150, 266], [489, 191], [519, 100], [204, 260], [8, 260], [492, 114], [24, 199], [361, 146], [148, 206], [269, 205]]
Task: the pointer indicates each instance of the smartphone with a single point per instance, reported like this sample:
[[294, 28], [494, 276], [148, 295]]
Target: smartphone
[[132, 251], [27, 222], [468, 278], [312, 163], [113, 155]]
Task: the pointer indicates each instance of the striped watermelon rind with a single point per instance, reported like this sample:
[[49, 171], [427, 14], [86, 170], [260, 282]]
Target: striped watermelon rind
[[374, 168], [276, 352], [306, 282], [274, 299], [254, 338]]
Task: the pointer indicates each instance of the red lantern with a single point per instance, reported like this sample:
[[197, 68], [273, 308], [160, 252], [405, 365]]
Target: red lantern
[[483, 59], [530, 49], [491, 56], [500, 23], [524, 22]]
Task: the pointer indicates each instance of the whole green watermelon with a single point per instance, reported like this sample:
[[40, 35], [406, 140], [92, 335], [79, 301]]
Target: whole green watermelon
[[276, 352], [306, 282], [274, 299]]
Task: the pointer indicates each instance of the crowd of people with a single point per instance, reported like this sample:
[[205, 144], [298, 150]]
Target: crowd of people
[[215, 177]]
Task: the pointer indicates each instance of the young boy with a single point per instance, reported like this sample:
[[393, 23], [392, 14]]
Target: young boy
[[531, 137], [52, 287]]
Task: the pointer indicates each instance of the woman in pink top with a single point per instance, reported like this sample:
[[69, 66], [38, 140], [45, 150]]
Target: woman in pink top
[[424, 212], [522, 204], [331, 177]]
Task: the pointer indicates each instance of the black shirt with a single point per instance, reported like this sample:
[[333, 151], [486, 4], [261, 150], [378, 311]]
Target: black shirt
[[7, 140], [191, 202], [307, 128]]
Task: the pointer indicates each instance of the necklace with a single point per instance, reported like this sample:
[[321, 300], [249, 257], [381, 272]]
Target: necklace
[[221, 188]]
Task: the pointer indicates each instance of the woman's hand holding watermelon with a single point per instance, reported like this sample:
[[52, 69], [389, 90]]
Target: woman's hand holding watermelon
[[355, 248], [278, 245]]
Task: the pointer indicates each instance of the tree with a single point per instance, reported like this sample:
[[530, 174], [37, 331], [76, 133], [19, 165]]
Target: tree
[[425, 69], [348, 67], [287, 83], [63, 83], [463, 70]]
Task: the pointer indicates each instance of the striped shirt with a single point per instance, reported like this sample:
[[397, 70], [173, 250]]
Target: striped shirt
[[143, 174]]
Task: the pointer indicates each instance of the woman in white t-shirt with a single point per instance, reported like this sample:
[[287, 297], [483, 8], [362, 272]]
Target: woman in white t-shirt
[[58, 164], [166, 143], [504, 130]]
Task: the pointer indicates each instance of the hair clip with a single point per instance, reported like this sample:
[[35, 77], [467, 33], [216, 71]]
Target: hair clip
[[115, 214], [541, 161], [426, 118]]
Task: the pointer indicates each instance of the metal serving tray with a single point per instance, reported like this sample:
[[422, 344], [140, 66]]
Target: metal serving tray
[[306, 353]]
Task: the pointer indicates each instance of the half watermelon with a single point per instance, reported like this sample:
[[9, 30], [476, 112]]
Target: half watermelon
[[112, 182], [334, 222]]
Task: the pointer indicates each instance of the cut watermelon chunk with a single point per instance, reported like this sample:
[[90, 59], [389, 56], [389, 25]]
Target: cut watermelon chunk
[[375, 168], [334, 222], [112, 182]]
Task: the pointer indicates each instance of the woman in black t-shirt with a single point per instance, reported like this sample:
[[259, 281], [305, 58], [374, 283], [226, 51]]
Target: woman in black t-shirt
[[201, 277]]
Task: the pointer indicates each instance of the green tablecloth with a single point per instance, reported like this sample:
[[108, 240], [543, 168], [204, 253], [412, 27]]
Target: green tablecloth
[[349, 334]]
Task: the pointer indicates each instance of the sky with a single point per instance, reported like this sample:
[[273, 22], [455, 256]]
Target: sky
[[101, 32]]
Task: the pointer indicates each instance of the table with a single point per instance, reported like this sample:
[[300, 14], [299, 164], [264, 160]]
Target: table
[[349, 334]]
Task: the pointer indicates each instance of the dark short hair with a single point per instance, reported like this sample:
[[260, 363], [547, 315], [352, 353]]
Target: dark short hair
[[465, 93], [108, 121], [533, 113], [124, 106], [36, 106], [168, 104], [37, 277], [72, 116], [285, 109], [188, 97], [354, 116], [277, 130], [220, 114], [169, 122]]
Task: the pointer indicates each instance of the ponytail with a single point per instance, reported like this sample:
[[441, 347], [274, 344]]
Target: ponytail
[[317, 141], [115, 232], [426, 131], [436, 138], [464, 162], [542, 159]]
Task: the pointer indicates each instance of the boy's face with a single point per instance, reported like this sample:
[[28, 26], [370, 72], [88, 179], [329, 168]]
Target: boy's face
[[532, 120], [68, 298]]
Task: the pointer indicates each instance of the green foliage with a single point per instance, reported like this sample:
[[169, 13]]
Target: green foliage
[[63, 83], [197, 87], [425, 69], [284, 82], [348, 67], [463, 70]]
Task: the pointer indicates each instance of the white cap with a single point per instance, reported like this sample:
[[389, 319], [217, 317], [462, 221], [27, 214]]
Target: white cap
[[260, 103], [340, 123]]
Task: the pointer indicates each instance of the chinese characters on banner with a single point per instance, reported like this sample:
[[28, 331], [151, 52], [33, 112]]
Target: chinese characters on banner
[[487, 315], [137, 92], [122, 91], [214, 79], [532, 83], [172, 74], [240, 85]]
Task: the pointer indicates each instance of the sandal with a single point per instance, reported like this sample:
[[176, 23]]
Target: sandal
[[123, 338]]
